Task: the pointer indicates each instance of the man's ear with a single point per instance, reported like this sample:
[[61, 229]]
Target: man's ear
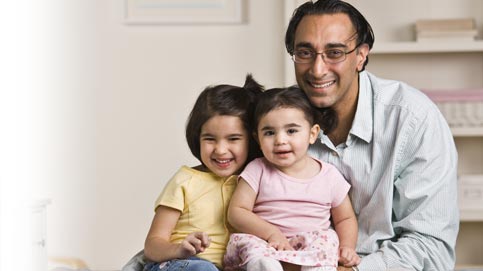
[[362, 53], [314, 133]]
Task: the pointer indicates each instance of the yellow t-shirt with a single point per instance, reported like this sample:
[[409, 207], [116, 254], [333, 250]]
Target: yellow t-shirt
[[202, 198]]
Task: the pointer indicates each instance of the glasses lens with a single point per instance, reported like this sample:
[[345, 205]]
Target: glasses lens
[[334, 55], [303, 56]]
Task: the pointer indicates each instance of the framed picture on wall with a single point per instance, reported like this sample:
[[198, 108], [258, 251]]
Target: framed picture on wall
[[183, 11]]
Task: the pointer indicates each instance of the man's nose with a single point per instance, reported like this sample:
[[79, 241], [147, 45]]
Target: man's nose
[[319, 67]]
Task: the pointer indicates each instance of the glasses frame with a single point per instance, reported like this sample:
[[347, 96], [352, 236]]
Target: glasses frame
[[312, 60]]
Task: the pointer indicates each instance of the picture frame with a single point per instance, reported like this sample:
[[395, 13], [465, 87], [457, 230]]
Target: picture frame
[[183, 11]]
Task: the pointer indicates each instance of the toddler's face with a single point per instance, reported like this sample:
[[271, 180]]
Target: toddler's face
[[224, 145], [284, 135]]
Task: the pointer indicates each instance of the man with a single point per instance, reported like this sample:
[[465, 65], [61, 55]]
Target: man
[[389, 141]]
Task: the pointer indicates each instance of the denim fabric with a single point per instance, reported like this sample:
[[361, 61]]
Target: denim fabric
[[190, 264]]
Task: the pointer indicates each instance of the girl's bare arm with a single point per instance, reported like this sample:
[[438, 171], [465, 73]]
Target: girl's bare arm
[[158, 247], [345, 224], [241, 216]]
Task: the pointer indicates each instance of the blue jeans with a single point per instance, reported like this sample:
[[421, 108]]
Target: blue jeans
[[190, 264]]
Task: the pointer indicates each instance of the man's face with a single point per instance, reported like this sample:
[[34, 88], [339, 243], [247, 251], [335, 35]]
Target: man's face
[[329, 84]]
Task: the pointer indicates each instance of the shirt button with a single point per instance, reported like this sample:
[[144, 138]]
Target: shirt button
[[334, 153]]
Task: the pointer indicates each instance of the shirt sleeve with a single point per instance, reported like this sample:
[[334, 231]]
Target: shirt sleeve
[[173, 193], [425, 210], [340, 187], [252, 173]]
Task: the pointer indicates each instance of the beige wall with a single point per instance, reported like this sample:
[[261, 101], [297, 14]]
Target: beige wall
[[105, 105], [120, 97]]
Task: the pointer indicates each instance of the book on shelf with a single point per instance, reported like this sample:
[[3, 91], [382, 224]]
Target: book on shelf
[[446, 29]]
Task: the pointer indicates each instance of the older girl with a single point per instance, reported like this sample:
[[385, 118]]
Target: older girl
[[189, 230]]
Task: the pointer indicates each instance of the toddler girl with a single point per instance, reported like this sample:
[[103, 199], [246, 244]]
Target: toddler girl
[[285, 200]]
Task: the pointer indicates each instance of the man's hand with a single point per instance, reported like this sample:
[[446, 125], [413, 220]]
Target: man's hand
[[193, 244]]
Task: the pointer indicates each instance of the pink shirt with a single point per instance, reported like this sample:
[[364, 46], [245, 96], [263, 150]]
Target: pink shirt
[[295, 205]]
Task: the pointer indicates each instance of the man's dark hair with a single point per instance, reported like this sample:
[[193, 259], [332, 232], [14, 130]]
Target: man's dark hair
[[363, 28]]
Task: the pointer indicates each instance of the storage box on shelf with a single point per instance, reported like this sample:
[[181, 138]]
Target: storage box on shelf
[[470, 196], [461, 108], [434, 30]]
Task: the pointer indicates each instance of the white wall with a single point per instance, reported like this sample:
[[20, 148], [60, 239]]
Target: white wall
[[119, 98]]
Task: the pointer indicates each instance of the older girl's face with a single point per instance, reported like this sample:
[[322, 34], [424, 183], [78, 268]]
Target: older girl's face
[[224, 145]]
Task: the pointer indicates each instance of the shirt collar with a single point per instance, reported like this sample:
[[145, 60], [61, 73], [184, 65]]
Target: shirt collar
[[362, 126]]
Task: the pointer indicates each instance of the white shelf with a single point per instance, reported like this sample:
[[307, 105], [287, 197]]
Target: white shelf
[[467, 131], [471, 215], [412, 47], [469, 267]]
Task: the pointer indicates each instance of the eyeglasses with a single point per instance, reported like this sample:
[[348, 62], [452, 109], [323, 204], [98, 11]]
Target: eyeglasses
[[330, 56]]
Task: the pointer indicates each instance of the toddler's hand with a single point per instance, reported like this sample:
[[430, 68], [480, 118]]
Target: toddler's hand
[[348, 256], [193, 244], [279, 242]]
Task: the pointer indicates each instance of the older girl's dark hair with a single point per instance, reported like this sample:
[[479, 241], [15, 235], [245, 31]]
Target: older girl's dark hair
[[294, 97], [364, 32], [224, 100]]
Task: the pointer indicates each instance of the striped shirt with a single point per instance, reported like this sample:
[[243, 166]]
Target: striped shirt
[[401, 161]]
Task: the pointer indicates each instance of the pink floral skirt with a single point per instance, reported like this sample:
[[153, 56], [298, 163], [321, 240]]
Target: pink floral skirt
[[315, 248]]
